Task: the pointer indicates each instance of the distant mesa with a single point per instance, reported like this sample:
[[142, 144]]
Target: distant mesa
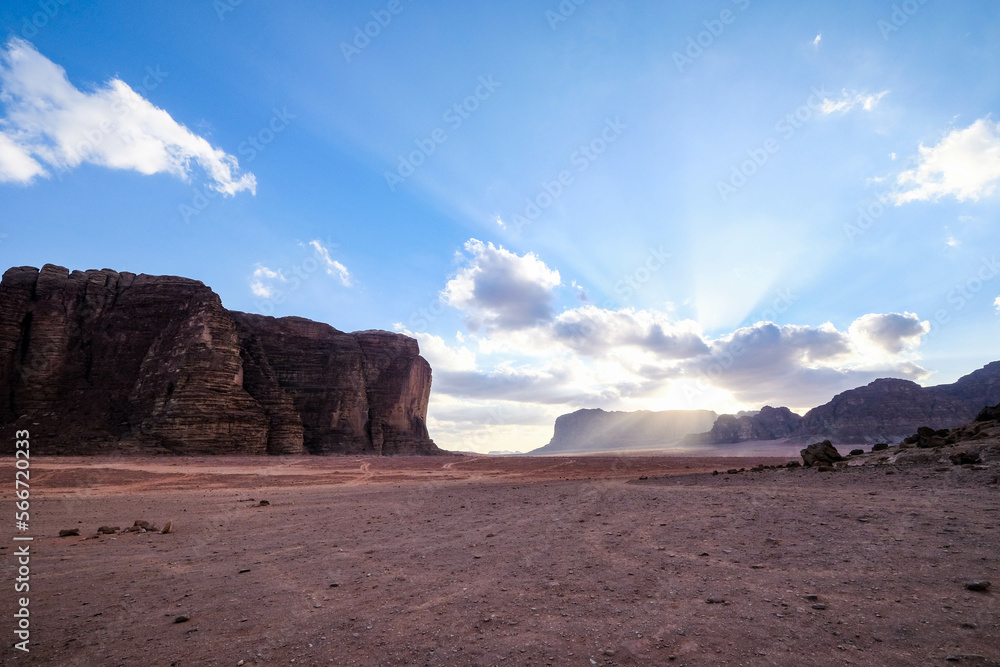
[[886, 410], [102, 361], [595, 430]]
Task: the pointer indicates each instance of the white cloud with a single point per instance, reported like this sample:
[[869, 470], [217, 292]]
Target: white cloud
[[499, 290], [594, 331], [50, 124], [848, 101], [996, 304], [965, 164], [333, 267], [892, 332], [818, 39], [259, 287]]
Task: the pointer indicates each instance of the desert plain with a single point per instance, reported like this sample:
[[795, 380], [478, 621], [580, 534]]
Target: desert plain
[[471, 560]]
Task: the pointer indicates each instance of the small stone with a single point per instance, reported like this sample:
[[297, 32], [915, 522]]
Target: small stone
[[167, 527], [857, 452], [108, 530], [334, 585], [182, 619], [145, 525], [819, 605], [69, 532], [880, 446], [952, 658], [715, 599], [263, 503], [980, 585], [244, 571], [965, 458], [812, 597], [608, 652]]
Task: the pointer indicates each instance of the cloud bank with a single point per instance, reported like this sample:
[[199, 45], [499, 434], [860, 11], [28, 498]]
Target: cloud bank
[[523, 352]]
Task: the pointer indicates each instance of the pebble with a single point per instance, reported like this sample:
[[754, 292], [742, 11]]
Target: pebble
[[819, 605], [981, 585], [715, 599], [182, 619]]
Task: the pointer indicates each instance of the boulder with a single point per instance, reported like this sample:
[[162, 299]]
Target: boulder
[[820, 453], [989, 414]]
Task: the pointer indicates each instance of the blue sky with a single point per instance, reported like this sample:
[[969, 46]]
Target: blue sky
[[577, 204]]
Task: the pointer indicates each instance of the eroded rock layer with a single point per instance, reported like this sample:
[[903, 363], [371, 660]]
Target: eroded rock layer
[[95, 361]]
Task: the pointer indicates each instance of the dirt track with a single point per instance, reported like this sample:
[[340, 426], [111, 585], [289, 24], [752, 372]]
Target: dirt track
[[507, 561]]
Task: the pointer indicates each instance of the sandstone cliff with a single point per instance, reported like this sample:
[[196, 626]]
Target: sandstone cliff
[[767, 424], [597, 430], [888, 410], [104, 361]]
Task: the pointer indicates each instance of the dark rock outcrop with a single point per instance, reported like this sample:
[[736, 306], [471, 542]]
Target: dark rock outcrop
[[597, 430], [820, 453], [96, 361], [767, 424], [888, 410]]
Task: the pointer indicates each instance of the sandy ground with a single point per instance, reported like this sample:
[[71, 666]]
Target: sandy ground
[[506, 561]]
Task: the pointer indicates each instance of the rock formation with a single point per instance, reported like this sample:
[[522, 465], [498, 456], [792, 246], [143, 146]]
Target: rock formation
[[888, 410], [597, 430], [820, 453], [96, 361], [767, 424]]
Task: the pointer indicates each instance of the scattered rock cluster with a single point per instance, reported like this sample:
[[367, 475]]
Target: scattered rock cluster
[[140, 526]]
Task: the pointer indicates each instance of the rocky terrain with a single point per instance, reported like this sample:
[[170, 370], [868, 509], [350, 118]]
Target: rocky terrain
[[597, 430], [886, 410], [767, 424], [98, 361]]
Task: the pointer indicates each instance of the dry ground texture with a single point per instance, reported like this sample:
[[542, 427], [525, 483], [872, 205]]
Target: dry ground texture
[[506, 561]]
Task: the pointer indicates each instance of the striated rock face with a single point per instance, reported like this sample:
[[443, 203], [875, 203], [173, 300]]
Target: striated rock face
[[888, 410], [768, 424], [100, 360], [597, 430]]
